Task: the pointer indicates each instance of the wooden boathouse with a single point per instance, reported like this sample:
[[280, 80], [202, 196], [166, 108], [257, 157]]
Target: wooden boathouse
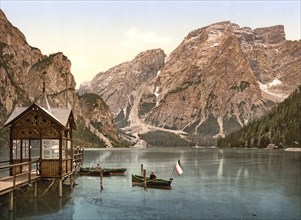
[[40, 148]]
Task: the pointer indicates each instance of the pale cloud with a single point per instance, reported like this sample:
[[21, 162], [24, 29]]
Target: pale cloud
[[139, 40], [83, 68]]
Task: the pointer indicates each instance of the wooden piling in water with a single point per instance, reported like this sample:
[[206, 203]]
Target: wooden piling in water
[[141, 171], [11, 200], [36, 189], [101, 178], [60, 188], [71, 181], [144, 178]]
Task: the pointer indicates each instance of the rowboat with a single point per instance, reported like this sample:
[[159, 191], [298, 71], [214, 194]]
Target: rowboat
[[115, 171], [95, 171], [151, 183], [92, 171]]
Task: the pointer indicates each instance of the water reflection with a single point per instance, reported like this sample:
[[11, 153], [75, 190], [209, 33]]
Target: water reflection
[[220, 168], [28, 207], [216, 184]]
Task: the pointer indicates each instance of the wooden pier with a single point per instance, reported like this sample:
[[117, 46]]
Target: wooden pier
[[44, 133], [10, 183], [31, 175]]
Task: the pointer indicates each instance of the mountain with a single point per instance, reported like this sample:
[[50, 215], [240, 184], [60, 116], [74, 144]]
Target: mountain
[[125, 85], [125, 81], [220, 78], [22, 69], [281, 127]]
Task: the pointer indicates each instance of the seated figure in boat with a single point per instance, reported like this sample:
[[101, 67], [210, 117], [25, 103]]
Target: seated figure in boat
[[152, 175]]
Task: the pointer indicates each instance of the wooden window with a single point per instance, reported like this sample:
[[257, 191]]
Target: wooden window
[[50, 149], [69, 149], [16, 149], [64, 151], [25, 149]]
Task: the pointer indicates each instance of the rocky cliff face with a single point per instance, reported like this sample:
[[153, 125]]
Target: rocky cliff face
[[21, 71], [119, 85], [122, 88], [16, 58], [217, 80], [274, 61]]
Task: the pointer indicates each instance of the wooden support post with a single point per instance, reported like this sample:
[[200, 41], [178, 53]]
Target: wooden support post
[[11, 200], [60, 187], [141, 170], [29, 172], [14, 181], [35, 206], [144, 178], [101, 177], [36, 189], [71, 181], [49, 186], [60, 205]]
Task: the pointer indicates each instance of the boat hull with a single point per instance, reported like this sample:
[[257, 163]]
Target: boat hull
[[115, 171], [151, 183], [106, 172]]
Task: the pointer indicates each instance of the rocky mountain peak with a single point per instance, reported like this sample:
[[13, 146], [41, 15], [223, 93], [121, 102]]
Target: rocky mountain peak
[[120, 85], [270, 35], [215, 86], [218, 79], [9, 34], [213, 29], [22, 69]]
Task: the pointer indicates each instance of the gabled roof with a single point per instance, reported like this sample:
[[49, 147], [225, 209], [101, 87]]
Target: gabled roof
[[60, 115], [17, 111]]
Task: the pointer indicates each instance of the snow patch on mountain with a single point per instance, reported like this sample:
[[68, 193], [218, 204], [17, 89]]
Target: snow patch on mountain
[[271, 92], [265, 87]]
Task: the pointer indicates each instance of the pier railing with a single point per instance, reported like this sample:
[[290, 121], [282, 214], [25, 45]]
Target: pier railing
[[78, 157], [8, 183]]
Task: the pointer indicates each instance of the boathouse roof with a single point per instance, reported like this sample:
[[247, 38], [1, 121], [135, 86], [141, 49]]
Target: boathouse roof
[[60, 115]]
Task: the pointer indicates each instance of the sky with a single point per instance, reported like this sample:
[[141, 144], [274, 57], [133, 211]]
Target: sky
[[97, 35]]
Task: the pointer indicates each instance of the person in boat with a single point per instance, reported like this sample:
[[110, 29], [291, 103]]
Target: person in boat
[[152, 175]]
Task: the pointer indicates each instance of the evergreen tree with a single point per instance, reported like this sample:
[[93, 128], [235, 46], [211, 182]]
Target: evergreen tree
[[282, 127]]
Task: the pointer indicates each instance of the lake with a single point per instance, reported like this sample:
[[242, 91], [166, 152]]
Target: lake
[[216, 184]]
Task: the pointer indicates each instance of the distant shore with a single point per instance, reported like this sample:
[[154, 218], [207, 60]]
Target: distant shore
[[291, 149], [294, 149]]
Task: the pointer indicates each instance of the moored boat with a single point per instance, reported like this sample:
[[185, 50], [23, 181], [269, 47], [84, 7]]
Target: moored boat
[[115, 171], [151, 183], [95, 171], [92, 171]]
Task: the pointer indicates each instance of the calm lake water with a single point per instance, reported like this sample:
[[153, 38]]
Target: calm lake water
[[216, 184]]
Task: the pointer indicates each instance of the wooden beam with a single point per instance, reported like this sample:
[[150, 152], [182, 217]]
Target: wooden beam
[[144, 178], [36, 189], [11, 200], [17, 164], [11, 148], [60, 188], [41, 153], [29, 153], [61, 153], [49, 186], [21, 155], [101, 178], [71, 181], [24, 193]]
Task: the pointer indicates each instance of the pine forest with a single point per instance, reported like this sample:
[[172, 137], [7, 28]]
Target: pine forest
[[281, 128]]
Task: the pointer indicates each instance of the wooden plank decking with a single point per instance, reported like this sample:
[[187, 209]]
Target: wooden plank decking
[[29, 172], [18, 179], [9, 183]]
